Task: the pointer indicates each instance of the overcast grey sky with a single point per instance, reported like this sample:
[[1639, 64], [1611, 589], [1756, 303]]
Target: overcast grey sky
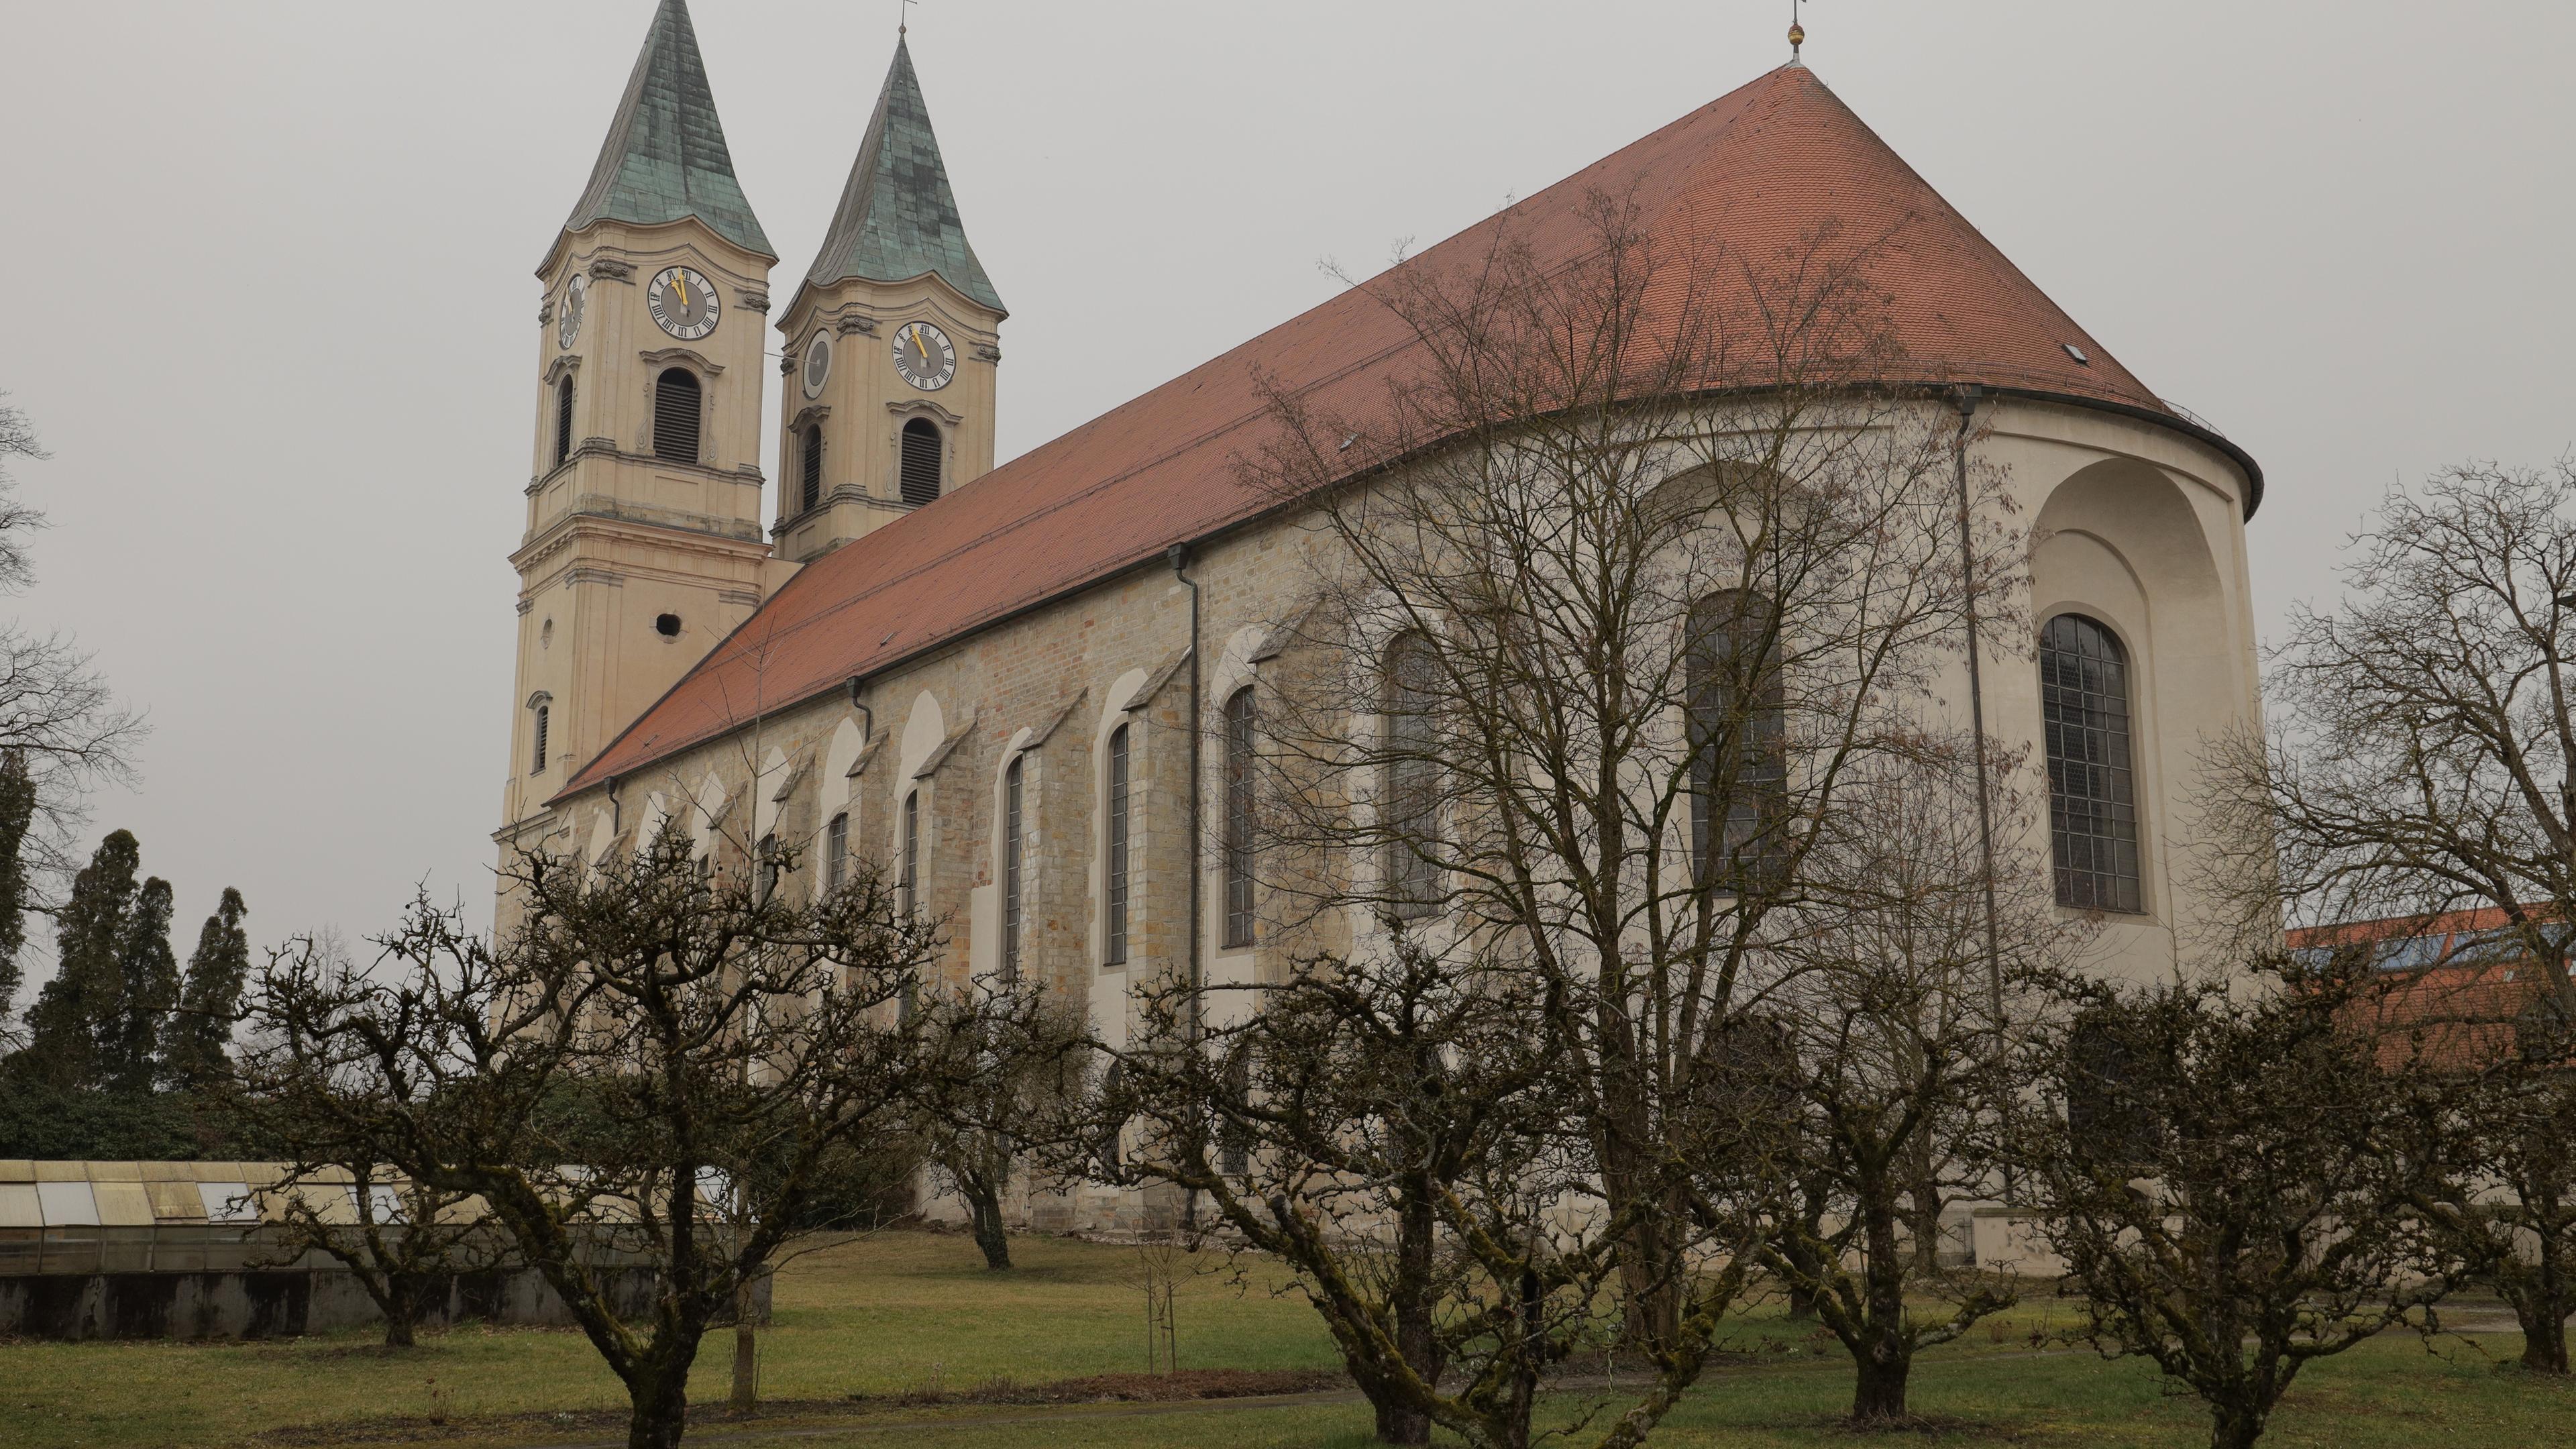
[[269, 291]]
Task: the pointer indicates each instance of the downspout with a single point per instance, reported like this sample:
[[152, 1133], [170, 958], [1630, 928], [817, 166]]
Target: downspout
[[867, 716], [1179, 558], [1967, 399]]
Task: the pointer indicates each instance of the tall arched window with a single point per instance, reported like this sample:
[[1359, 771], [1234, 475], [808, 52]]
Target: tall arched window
[[920, 461], [2092, 792], [809, 448], [1736, 713], [836, 852], [910, 876], [563, 419], [1238, 817], [545, 712], [767, 855], [677, 404], [1412, 816], [1012, 856], [1113, 905]]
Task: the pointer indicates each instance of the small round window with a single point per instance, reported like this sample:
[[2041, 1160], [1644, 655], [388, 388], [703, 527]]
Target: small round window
[[667, 625]]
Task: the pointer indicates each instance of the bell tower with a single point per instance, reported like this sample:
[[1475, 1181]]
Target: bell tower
[[891, 345], [643, 545]]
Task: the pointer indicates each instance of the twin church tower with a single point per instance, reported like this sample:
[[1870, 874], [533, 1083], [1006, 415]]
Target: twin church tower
[[645, 543]]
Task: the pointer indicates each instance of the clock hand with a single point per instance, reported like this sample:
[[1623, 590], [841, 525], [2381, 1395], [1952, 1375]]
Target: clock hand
[[680, 280]]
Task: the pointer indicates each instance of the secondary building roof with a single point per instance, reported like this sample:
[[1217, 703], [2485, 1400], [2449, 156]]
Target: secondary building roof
[[665, 157], [1756, 171]]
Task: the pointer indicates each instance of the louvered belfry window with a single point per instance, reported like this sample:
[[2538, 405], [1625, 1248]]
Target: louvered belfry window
[[812, 463], [920, 461], [538, 765], [2092, 791], [676, 415], [563, 420]]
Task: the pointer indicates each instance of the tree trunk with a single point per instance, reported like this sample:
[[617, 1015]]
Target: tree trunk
[[660, 1412], [1417, 1339], [2544, 1335], [2233, 1428], [1883, 1354], [1878, 1396], [746, 1354], [984, 1212], [400, 1310]]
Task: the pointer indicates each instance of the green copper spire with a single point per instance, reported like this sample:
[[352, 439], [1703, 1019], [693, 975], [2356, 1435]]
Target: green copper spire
[[898, 219], [665, 157]]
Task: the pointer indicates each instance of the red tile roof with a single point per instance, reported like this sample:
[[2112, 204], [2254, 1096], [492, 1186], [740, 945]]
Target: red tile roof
[[1755, 171]]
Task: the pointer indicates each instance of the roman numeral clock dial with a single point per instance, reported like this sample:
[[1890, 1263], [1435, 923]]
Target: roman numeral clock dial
[[683, 303], [925, 356]]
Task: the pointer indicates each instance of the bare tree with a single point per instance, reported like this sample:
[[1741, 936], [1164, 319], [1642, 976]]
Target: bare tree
[[1620, 582], [659, 1064], [1398, 1133], [2222, 1173], [297, 1099], [2423, 756], [59, 723], [1006, 1083], [1889, 1049], [2494, 1103]]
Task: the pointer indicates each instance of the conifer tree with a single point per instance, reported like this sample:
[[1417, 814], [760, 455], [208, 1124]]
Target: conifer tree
[[71, 1025], [195, 1043], [17, 813], [148, 991]]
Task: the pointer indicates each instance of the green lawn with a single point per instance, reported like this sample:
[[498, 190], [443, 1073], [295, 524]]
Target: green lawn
[[912, 1311]]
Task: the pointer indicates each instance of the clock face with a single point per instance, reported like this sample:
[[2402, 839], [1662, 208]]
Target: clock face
[[683, 303], [575, 297], [924, 355], [818, 364]]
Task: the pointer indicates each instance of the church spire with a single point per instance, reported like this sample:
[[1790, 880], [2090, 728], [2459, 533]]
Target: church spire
[[665, 157], [898, 219]]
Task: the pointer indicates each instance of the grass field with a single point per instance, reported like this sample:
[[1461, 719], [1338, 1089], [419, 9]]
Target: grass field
[[910, 1312]]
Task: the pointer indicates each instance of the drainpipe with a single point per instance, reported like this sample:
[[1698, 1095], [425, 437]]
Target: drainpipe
[[1179, 558], [1966, 399], [867, 716]]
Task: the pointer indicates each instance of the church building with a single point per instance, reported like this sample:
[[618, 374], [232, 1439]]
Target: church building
[[987, 681]]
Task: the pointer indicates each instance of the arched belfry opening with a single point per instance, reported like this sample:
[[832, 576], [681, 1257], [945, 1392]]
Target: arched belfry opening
[[922, 447]]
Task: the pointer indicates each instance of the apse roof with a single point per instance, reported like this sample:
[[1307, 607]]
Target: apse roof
[[665, 157], [898, 219], [1758, 169]]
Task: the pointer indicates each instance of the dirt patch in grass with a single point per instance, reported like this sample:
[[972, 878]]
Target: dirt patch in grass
[[1180, 1387], [1127, 1388]]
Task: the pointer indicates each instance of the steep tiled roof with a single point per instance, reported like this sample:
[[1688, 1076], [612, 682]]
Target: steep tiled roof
[[897, 219], [665, 157], [1757, 169]]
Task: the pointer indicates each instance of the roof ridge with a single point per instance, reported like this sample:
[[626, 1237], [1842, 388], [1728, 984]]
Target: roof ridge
[[665, 157]]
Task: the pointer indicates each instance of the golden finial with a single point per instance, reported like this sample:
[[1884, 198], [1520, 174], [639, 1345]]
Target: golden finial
[[1797, 32]]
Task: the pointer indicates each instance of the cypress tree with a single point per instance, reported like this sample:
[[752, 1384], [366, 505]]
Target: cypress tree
[[196, 1041], [148, 991], [17, 813], [71, 1025]]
